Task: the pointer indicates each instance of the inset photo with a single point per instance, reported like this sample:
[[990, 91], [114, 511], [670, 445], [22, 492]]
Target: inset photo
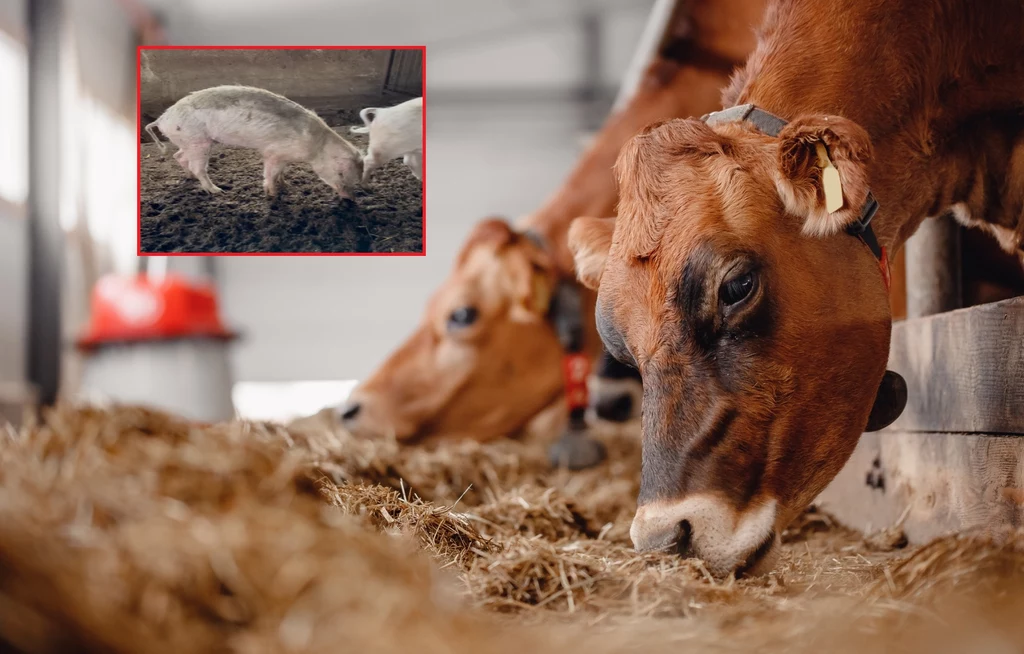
[[281, 150]]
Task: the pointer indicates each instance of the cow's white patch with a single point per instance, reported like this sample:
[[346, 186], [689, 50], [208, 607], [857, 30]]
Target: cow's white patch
[[720, 536]]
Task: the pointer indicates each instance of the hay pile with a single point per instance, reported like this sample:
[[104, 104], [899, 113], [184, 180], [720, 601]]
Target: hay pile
[[132, 531]]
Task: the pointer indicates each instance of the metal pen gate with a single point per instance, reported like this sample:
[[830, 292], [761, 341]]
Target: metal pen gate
[[405, 73]]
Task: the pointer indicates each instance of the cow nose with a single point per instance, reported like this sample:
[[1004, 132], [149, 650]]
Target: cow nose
[[706, 527], [664, 537], [350, 411]]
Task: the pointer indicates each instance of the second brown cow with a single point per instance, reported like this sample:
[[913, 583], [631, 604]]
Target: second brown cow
[[486, 360]]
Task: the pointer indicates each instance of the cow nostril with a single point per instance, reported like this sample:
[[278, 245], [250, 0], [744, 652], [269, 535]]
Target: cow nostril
[[684, 534], [351, 411]]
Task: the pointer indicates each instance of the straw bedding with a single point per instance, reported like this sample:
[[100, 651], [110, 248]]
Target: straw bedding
[[133, 531]]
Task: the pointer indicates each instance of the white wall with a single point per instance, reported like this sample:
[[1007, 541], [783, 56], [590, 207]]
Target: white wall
[[13, 221], [13, 15], [329, 318], [493, 44], [13, 295], [434, 23], [545, 58], [103, 36], [337, 317]]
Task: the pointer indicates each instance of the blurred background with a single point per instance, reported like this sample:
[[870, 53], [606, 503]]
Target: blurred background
[[514, 89]]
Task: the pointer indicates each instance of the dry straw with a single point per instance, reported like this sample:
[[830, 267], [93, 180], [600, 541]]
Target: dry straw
[[133, 531]]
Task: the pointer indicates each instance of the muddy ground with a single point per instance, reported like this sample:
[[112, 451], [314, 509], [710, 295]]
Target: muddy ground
[[307, 216]]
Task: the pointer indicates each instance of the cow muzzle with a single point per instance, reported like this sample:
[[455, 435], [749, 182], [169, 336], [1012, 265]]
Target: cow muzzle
[[364, 416], [706, 528]]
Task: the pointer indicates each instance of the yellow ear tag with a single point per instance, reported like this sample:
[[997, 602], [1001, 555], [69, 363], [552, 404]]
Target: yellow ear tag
[[830, 181], [541, 294]]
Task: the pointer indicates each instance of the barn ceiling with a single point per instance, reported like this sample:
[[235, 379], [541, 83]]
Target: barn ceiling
[[437, 23]]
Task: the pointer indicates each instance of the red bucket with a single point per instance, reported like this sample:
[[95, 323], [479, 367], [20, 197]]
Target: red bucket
[[143, 309]]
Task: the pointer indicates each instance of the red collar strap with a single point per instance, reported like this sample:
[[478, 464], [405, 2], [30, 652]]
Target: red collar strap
[[883, 263], [575, 370], [771, 125], [566, 315]]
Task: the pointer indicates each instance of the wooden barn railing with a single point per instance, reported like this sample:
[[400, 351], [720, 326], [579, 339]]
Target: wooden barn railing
[[955, 459]]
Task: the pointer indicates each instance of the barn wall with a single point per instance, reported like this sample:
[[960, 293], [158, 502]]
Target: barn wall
[[333, 318], [12, 18], [103, 36], [337, 317], [14, 292], [13, 223], [356, 75], [542, 59]]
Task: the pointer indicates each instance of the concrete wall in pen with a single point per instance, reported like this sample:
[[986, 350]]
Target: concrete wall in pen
[[356, 76]]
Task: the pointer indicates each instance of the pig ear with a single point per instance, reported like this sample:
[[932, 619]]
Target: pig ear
[[590, 239], [802, 180]]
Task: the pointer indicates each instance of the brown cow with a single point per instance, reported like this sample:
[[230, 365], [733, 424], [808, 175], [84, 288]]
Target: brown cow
[[486, 359], [760, 326]]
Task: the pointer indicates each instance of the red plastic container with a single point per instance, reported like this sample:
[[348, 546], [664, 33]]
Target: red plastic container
[[128, 309]]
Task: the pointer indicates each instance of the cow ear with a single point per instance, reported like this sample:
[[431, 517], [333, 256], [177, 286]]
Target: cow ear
[[823, 165], [534, 297], [529, 272], [590, 239]]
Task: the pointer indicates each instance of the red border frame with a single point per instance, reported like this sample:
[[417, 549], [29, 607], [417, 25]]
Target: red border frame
[[138, 147]]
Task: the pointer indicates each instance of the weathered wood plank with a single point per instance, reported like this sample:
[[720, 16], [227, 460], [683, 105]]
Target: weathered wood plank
[[942, 482], [964, 370], [934, 282]]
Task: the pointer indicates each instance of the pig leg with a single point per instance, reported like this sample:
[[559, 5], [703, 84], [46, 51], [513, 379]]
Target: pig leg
[[415, 162], [370, 162], [272, 169], [180, 157], [198, 157]]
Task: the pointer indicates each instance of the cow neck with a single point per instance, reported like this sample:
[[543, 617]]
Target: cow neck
[[772, 125], [565, 313]]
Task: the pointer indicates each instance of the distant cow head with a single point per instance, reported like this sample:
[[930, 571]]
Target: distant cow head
[[760, 328], [485, 359]]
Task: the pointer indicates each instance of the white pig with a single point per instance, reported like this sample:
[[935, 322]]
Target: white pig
[[394, 132], [246, 117]]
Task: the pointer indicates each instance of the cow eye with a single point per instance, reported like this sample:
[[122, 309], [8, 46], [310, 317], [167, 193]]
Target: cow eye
[[462, 317], [737, 289]]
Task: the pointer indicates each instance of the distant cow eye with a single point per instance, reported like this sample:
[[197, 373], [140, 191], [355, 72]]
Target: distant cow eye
[[462, 317], [737, 289]]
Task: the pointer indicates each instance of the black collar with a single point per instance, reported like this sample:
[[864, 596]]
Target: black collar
[[566, 308], [772, 125]]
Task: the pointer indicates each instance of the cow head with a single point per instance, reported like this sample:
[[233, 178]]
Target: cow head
[[760, 328], [484, 360]]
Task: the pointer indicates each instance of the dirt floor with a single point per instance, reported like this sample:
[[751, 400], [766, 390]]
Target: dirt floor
[[133, 531], [307, 216]]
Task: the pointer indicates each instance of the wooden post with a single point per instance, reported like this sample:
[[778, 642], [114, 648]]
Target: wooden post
[[933, 268]]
